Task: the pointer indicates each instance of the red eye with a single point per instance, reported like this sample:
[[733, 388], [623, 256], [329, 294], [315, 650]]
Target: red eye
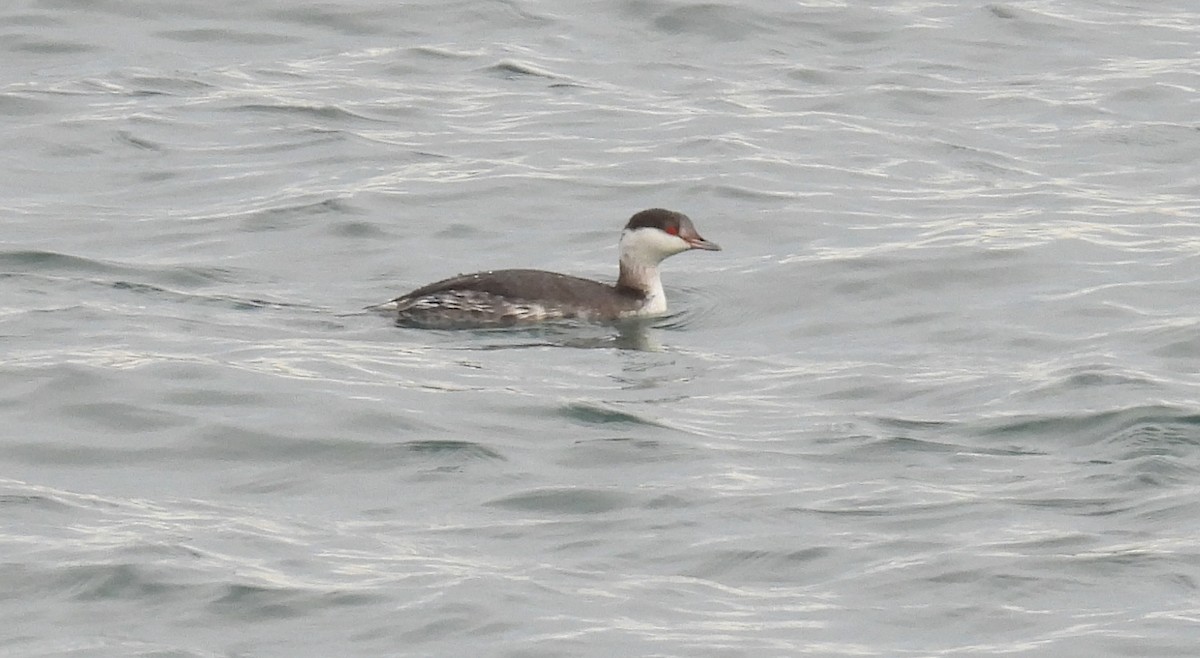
[[673, 230]]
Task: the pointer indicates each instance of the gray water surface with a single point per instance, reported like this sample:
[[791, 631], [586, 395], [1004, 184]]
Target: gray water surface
[[938, 396]]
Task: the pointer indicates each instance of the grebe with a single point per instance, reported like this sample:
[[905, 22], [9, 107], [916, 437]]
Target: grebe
[[503, 298]]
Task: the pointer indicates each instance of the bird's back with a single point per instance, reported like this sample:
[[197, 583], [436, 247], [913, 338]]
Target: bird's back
[[508, 297]]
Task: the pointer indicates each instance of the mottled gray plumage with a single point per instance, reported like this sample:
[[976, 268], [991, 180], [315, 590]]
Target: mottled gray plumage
[[508, 297]]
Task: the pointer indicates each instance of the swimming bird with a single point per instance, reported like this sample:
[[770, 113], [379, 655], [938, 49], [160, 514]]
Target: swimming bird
[[502, 298]]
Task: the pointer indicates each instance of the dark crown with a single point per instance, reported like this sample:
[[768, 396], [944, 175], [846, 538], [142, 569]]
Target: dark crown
[[658, 218]]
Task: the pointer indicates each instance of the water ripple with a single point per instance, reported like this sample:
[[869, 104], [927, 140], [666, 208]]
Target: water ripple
[[947, 360]]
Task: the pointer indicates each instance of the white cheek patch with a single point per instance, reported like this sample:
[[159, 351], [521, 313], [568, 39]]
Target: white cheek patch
[[649, 245]]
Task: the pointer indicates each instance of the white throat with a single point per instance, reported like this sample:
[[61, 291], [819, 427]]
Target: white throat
[[642, 250]]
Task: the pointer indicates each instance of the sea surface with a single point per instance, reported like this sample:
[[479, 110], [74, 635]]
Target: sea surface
[[939, 395]]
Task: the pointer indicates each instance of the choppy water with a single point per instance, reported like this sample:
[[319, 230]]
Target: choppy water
[[939, 396]]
